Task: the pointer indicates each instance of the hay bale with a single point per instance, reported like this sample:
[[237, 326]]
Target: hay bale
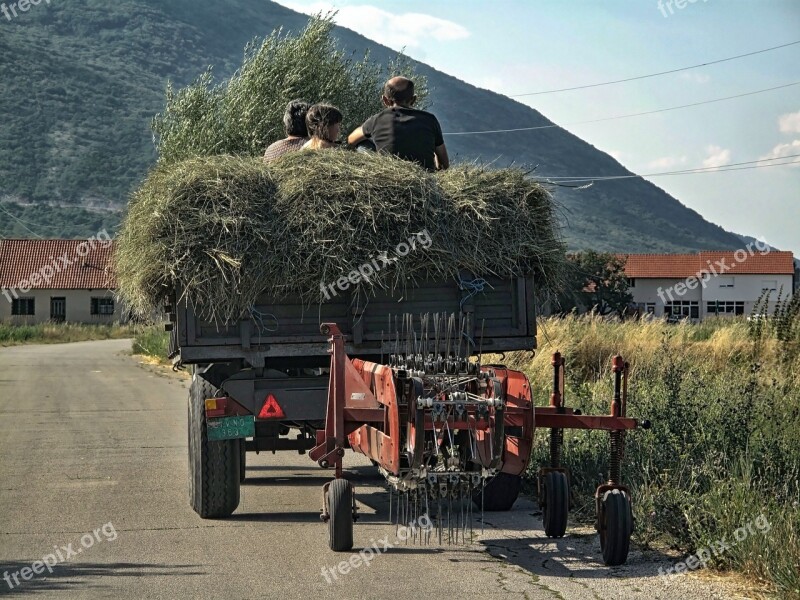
[[224, 230]]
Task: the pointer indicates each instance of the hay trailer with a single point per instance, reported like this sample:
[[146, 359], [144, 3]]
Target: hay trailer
[[399, 378]]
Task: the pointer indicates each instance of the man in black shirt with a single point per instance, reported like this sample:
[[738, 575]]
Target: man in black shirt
[[404, 131]]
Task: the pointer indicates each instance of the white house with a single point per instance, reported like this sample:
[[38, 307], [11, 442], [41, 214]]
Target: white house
[[709, 283], [57, 280]]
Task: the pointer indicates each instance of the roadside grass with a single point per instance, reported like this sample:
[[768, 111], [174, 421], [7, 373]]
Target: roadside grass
[[152, 342], [60, 333], [724, 449]]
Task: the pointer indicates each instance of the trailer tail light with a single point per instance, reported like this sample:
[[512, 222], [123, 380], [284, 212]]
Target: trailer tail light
[[216, 407], [271, 409]]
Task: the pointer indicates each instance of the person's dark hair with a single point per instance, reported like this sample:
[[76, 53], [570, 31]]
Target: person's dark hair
[[399, 90], [320, 117], [294, 119]]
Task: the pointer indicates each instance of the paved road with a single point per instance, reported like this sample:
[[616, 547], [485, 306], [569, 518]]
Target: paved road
[[93, 455]]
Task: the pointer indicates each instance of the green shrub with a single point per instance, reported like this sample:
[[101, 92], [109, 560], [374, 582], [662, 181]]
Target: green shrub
[[151, 341], [245, 114]]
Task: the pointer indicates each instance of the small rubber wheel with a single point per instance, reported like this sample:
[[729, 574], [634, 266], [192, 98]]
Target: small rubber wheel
[[242, 460], [340, 509], [616, 528], [499, 493], [555, 507]]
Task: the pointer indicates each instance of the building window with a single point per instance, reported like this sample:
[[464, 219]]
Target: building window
[[632, 282], [102, 306], [23, 307], [646, 307], [683, 308], [725, 282], [725, 308], [769, 286]]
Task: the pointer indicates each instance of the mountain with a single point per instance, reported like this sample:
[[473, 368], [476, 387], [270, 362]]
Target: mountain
[[80, 81]]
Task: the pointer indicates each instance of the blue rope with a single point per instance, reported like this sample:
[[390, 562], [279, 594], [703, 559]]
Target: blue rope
[[474, 287], [258, 317]]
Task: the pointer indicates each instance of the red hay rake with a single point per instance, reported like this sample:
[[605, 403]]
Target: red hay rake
[[449, 433]]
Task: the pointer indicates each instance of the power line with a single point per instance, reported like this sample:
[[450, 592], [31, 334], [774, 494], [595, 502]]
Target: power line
[[747, 162], [705, 64], [21, 222], [639, 114], [720, 169]]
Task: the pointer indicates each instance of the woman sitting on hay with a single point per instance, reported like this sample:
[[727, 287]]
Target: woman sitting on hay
[[324, 123]]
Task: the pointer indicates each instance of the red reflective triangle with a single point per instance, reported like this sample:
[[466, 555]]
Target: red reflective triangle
[[271, 409]]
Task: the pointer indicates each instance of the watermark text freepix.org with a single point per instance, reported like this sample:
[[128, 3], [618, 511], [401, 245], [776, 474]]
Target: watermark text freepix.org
[[366, 556], [665, 5], [715, 269], [57, 264], [22, 6], [60, 554], [699, 559], [376, 264]]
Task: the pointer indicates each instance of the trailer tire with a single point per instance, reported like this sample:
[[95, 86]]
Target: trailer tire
[[340, 513], [616, 527], [499, 493], [214, 467]]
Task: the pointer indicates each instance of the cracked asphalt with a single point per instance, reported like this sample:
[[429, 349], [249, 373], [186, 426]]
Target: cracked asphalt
[[94, 444]]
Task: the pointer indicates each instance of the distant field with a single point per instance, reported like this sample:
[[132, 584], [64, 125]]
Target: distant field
[[59, 333]]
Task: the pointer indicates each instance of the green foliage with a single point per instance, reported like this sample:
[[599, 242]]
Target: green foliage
[[783, 322], [245, 114], [596, 283]]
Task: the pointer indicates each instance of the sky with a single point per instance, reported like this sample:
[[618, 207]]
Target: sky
[[518, 47]]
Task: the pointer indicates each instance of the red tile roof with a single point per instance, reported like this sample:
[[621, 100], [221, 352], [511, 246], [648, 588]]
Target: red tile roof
[[687, 265], [59, 264]]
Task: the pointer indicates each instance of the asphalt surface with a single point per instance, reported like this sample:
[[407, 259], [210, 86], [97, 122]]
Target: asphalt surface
[[93, 477]]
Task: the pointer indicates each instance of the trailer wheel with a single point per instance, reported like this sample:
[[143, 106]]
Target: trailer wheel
[[616, 526], [340, 510], [242, 461], [499, 493], [214, 467], [555, 504]]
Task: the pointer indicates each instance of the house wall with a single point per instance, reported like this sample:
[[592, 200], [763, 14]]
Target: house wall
[[746, 288], [78, 305]]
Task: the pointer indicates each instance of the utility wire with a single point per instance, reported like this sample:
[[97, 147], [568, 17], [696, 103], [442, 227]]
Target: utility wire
[[639, 114], [720, 169], [747, 162], [21, 222], [705, 64]]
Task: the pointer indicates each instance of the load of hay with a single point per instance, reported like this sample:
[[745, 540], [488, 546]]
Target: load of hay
[[222, 230]]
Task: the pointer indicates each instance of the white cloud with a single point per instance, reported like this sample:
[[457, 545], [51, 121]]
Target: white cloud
[[783, 150], [667, 162], [695, 77], [615, 154], [396, 30], [790, 122], [717, 156]]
